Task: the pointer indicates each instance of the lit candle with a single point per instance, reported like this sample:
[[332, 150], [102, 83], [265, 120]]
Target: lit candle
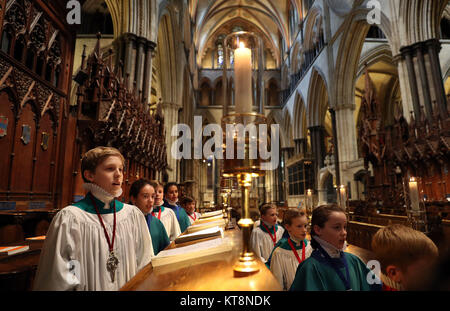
[[243, 79], [343, 197], [309, 198], [414, 194]]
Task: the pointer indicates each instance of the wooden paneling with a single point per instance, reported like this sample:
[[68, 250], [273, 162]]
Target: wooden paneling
[[35, 100], [6, 141], [22, 164], [360, 234], [44, 152]]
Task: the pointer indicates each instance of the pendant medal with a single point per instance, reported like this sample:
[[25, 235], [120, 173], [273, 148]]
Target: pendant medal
[[111, 265]]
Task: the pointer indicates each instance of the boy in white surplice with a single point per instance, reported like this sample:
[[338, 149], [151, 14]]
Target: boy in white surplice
[[264, 237], [98, 243]]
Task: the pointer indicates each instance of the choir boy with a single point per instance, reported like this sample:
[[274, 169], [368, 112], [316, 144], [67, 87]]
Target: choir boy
[[98, 243], [264, 237], [290, 252], [171, 201], [142, 195]]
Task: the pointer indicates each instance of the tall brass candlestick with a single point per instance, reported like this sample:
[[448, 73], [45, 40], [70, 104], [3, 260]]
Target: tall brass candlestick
[[246, 264], [242, 164], [243, 168]]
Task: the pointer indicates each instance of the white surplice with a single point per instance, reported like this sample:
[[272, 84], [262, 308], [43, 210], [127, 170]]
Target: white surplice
[[262, 244], [170, 222], [284, 263], [76, 251]]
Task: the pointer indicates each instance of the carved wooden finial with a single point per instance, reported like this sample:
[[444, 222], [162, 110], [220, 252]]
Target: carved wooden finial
[[97, 45]]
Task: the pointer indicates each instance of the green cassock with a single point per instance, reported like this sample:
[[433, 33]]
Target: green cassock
[[158, 233], [316, 274]]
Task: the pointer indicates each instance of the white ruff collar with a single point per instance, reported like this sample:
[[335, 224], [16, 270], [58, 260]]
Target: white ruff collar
[[171, 203], [392, 284], [155, 205], [333, 251], [101, 194]]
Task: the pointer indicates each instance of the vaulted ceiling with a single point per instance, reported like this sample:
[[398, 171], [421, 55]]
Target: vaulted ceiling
[[269, 18]]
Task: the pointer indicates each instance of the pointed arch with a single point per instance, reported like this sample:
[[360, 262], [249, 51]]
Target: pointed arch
[[317, 99], [313, 20], [349, 53], [300, 128], [275, 117], [287, 127], [167, 59]]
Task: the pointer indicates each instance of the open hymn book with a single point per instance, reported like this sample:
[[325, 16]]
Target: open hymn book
[[205, 225], [211, 214], [195, 251], [205, 233]]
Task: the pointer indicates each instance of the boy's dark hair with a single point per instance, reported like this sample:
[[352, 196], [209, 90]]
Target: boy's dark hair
[[186, 200], [137, 186], [168, 185], [320, 216]]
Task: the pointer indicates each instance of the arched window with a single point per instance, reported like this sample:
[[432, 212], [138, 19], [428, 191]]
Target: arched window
[[205, 94], [375, 33], [445, 28], [293, 19], [220, 55]]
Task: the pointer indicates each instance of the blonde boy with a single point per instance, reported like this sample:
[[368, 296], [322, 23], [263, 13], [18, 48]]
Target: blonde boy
[[406, 256], [267, 234], [98, 243]]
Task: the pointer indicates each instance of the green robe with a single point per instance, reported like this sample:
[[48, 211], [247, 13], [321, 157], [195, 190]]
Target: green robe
[[183, 218], [160, 239], [315, 274], [86, 205]]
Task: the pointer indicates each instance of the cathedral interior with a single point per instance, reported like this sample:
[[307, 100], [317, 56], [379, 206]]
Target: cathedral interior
[[360, 95]]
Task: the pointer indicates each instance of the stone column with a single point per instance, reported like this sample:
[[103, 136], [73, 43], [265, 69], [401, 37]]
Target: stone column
[[336, 146], [318, 144], [147, 88], [424, 78], [170, 112], [129, 62], [285, 182], [433, 48], [424, 86], [140, 64], [407, 58]]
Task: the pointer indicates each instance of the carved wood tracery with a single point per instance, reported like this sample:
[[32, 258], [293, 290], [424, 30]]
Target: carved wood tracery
[[420, 148], [111, 115]]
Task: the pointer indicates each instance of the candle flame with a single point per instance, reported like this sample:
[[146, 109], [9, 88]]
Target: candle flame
[[241, 45], [412, 179]]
